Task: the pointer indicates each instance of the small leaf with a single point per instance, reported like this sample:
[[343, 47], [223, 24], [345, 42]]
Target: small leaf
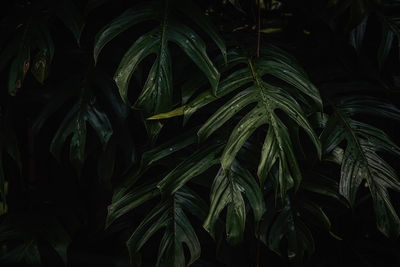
[[173, 113]]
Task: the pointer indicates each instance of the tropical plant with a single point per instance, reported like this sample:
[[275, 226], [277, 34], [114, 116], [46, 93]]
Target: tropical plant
[[208, 133]]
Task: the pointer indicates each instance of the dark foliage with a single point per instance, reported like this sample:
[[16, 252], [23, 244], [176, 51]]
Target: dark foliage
[[202, 133]]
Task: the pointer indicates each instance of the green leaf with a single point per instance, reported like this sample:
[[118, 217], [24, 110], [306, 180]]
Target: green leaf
[[27, 252], [360, 160], [385, 45], [236, 4], [197, 163], [277, 146], [323, 185], [157, 94], [25, 230], [288, 228], [167, 115], [41, 63], [126, 20], [130, 201], [18, 69], [195, 48], [357, 34], [192, 11], [226, 191], [169, 214], [153, 157], [99, 122], [75, 124]]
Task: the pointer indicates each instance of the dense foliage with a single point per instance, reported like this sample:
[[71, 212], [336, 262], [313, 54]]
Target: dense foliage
[[201, 133]]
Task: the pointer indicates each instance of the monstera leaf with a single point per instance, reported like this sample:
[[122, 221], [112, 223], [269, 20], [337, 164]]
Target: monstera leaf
[[227, 191], [170, 215], [359, 156], [175, 198], [265, 99], [85, 110], [157, 93]]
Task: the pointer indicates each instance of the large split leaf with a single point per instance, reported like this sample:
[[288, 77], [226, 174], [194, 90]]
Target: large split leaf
[[266, 99], [360, 159], [156, 95], [226, 192], [170, 215]]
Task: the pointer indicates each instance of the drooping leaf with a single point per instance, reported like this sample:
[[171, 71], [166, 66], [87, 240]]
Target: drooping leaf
[[194, 165], [154, 156], [157, 94], [357, 34], [75, 124], [385, 45], [169, 214], [226, 192], [360, 160], [130, 201], [267, 99], [286, 230]]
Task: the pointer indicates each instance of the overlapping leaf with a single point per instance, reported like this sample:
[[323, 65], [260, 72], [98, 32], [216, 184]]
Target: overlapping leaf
[[85, 110], [226, 192], [287, 226], [126, 199], [170, 214], [360, 159], [156, 95], [267, 98]]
